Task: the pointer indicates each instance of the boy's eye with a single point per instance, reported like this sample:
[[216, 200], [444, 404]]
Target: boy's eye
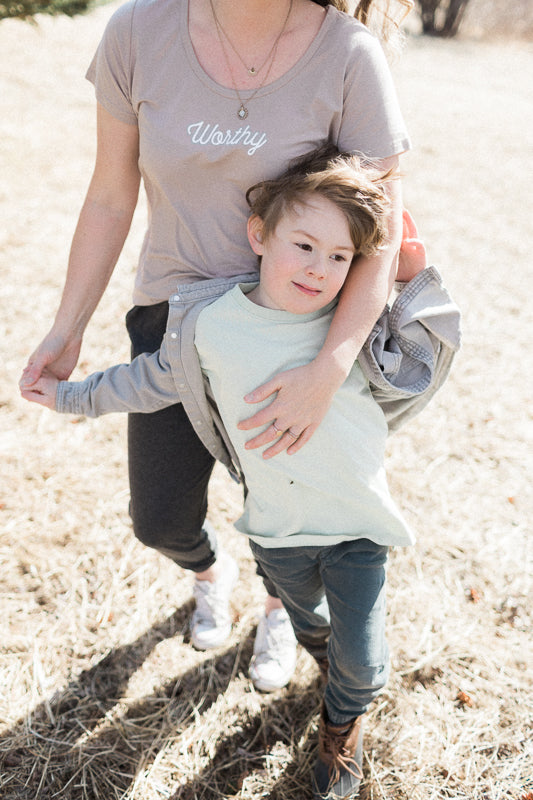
[[304, 246], [338, 257]]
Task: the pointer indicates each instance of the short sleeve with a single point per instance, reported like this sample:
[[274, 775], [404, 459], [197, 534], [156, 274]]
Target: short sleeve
[[372, 120], [111, 70]]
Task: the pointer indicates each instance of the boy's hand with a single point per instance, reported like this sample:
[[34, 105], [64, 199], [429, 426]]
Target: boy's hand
[[43, 391], [412, 259]]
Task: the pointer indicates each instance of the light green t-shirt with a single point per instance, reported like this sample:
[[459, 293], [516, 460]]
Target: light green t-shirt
[[335, 488]]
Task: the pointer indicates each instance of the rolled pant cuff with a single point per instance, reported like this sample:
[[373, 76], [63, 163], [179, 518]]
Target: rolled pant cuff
[[200, 557]]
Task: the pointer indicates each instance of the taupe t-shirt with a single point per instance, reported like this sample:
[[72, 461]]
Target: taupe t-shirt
[[197, 158]]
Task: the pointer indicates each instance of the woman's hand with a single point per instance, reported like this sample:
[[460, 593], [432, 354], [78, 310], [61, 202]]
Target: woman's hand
[[303, 396], [52, 361], [55, 356]]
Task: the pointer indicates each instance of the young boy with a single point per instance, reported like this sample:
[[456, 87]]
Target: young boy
[[320, 521]]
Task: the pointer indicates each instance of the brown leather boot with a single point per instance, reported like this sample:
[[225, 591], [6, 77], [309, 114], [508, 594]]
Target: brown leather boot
[[338, 771]]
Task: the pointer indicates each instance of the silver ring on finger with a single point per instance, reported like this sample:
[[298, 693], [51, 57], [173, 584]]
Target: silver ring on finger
[[293, 435]]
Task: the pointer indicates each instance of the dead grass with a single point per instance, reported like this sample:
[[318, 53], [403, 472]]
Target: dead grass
[[102, 697]]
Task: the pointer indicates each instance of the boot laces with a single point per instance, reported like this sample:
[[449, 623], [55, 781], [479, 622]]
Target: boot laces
[[341, 758]]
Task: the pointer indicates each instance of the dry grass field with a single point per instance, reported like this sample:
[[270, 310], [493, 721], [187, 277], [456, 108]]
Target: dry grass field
[[102, 697]]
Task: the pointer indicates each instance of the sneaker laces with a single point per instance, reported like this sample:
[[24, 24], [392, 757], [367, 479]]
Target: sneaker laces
[[274, 641], [210, 603]]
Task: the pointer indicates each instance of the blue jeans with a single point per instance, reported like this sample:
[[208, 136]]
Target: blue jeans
[[335, 597]]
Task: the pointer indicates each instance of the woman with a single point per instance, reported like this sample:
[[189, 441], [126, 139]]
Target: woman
[[203, 98]]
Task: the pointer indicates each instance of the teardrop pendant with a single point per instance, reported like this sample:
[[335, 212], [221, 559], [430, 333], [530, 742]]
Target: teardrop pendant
[[252, 71], [242, 113]]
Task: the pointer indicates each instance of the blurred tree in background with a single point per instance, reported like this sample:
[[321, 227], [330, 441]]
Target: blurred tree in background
[[26, 9], [441, 17]]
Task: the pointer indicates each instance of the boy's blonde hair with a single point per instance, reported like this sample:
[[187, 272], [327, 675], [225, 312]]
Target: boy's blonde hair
[[358, 191]]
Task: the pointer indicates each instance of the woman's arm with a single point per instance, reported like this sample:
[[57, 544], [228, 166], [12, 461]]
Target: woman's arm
[[102, 228], [304, 394]]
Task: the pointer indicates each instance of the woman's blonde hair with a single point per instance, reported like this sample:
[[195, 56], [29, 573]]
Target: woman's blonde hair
[[383, 17], [358, 191]]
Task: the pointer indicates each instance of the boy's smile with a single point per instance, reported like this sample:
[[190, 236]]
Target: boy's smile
[[305, 261]]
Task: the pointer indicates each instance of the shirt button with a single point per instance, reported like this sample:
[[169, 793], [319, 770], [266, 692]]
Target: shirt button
[[173, 335]]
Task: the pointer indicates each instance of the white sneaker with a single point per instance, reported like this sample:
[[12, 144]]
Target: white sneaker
[[274, 659], [211, 620]]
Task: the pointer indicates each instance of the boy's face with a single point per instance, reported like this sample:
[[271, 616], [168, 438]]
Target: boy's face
[[305, 261]]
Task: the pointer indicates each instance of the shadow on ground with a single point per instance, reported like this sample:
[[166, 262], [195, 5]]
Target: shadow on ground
[[72, 746]]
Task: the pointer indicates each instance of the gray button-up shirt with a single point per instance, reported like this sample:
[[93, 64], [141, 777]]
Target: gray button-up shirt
[[406, 359]]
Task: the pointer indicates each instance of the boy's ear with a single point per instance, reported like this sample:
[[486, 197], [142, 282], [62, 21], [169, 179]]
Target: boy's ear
[[255, 234]]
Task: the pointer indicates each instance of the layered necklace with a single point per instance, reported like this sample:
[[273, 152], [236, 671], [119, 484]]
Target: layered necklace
[[253, 71]]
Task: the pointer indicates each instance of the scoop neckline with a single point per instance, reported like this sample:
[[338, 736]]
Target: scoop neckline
[[229, 91]]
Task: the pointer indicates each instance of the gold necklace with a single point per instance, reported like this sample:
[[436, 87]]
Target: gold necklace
[[242, 111], [253, 71]]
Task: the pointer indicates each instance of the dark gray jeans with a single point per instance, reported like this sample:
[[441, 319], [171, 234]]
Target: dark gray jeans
[[169, 467]]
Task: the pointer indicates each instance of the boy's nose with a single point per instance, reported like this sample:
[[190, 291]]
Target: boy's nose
[[317, 267]]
